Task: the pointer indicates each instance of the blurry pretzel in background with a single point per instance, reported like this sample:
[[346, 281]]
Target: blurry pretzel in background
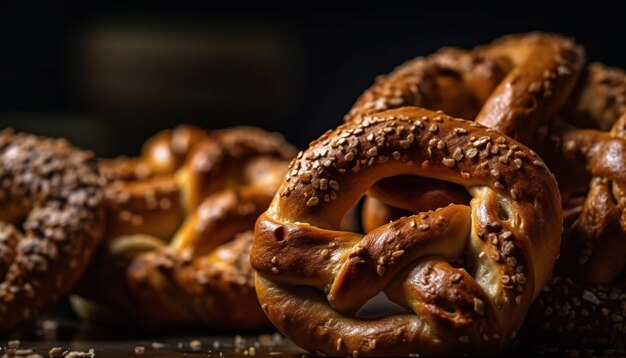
[[534, 87], [169, 258], [466, 273], [51, 221]]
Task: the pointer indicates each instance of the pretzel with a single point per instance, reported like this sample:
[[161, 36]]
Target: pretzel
[[514, 85], [164, 153], [312, 279], [590, 305], [169, 260], [51, 223]]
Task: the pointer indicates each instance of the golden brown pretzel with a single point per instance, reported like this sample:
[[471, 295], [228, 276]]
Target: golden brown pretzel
[[51, 222], [168, 258], [163, 153], [215, 163], [312, 279], [515, 84], [590, 305]]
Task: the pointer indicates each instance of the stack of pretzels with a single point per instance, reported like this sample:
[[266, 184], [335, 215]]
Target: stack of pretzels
[[493, 183], [479, 169], [162, 239], [176, 247]]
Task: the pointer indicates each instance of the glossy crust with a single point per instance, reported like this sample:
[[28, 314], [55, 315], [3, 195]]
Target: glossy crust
[[586, 301], [52, 221], [536, 88], [515, 84], [312, 279], [169, 258]]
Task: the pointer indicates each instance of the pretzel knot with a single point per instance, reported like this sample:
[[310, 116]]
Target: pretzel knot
[[465, 273], [51, 220], [179, 231]]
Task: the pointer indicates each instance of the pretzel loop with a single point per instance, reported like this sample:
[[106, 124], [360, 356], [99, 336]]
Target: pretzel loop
[[508, 237]]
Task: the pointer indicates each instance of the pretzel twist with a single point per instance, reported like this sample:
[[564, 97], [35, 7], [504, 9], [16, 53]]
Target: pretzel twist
[[168, 250], [312, 279], [535, 88], [591, 307], [50, 223], [514, 85]]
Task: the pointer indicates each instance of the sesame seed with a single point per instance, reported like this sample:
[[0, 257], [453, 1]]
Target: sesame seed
[[380, 270], [456, 277], [313, 201], [441, 145], [372, 152], [458, 154], [471, 152], [460, 131], [481, 141], [591, 297], [448, 162], [479, 306], [423, 227], [334, 185], [433, 128], [397, 253]]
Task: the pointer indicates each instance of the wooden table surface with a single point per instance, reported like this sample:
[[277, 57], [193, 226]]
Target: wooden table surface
[[69, 335]]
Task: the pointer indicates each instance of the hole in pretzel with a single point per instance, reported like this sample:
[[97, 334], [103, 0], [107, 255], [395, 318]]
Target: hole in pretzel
[[448, 308], [417, 194], [379, 305], [403, 195]]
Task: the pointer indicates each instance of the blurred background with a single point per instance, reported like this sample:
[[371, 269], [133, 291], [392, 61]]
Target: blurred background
[[109, 76]]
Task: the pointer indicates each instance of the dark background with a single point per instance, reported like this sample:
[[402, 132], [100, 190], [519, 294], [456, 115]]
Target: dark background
[[109, 76]]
